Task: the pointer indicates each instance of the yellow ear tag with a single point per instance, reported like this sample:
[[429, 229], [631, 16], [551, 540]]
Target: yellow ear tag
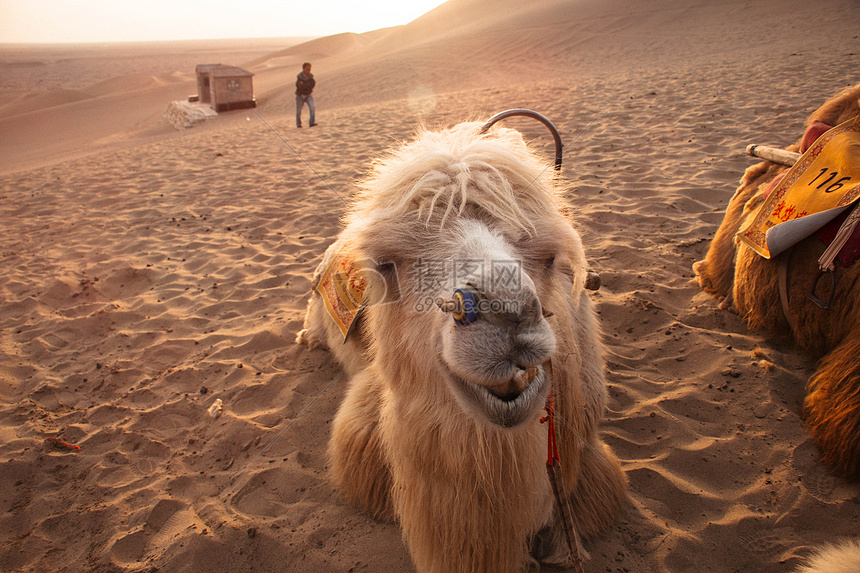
[[343, 287]]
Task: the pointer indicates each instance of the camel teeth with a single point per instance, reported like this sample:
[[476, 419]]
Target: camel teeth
[[519, 381], [523, 378], [517, 384]]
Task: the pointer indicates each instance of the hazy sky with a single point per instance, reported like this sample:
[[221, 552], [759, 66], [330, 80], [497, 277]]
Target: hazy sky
[[121, 20]]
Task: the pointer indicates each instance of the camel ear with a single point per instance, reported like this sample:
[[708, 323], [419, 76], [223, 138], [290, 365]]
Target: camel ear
[[584, 278], [381, 256], [384, 244], [381, 280], [592, 280], [576, 266]]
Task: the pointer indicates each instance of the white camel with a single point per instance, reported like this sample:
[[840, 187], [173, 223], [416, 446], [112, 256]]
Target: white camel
[[472, 282]]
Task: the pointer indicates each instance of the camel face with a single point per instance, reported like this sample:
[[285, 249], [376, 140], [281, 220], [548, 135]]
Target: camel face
[[525, 286], [494, 366]]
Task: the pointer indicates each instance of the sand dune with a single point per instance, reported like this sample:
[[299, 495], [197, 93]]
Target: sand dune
[[321, 48], [148, 272], [35, 101], [107, 92], [463, 44], [137, 82]]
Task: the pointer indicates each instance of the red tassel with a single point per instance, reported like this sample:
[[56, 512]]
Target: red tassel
[[551, 445]]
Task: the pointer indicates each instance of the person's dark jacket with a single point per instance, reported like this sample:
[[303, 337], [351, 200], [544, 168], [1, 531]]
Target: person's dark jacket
[[305, 84]]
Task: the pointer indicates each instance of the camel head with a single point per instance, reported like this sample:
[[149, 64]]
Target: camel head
[[476, 272]]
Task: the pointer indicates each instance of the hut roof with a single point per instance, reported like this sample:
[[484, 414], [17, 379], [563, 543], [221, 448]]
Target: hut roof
[[204, 68], [228, 72]]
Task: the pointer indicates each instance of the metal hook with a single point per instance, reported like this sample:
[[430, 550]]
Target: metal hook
[[534, 115], [811, 296]]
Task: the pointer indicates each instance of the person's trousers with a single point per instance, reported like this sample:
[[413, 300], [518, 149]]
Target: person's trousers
[[300, 102]]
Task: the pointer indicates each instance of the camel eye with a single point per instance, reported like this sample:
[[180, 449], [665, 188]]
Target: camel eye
[[549, 262]]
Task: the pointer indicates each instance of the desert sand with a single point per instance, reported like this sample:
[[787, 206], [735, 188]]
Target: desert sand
[[148, 272]]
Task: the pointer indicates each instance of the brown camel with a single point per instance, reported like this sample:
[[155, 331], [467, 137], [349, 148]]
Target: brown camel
[[750, 285]]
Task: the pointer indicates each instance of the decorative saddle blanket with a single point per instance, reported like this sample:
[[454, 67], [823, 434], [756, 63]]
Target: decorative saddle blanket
[[820, 187]]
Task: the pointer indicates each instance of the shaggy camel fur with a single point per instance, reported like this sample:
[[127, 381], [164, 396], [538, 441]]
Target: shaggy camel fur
[[843, 557], [749, 284], [440, 428]]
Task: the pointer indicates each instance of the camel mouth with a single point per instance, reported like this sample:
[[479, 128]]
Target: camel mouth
[[513, 388], [507, 404], [507, 396]]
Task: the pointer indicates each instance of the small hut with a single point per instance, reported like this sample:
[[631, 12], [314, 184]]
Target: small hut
[[204, 89], [225, 87]]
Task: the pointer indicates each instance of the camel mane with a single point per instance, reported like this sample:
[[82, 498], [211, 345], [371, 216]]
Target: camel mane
[[438, 175]]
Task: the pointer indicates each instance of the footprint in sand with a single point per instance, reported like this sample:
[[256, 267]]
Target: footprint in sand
[[162, 423], [167, 518], [826, 487], [144, 467], [129, 549], [54, 342], [272, 492], [771, 544], [818, 479]]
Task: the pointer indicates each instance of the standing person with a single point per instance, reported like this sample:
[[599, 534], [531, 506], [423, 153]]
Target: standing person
[[304, 94]]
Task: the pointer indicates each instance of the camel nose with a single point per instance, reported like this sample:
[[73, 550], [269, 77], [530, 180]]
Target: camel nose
[[530, 310]]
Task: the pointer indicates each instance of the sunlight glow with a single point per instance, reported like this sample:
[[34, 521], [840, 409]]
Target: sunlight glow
[[65, 21]]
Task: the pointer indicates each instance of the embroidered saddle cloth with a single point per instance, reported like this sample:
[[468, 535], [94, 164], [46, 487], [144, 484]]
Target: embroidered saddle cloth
[[823, 184]]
